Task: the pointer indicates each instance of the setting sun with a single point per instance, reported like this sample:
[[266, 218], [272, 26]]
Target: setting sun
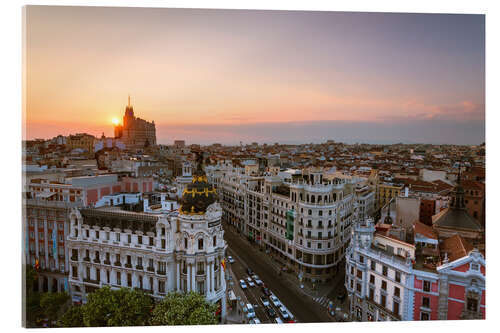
[[115, 121]]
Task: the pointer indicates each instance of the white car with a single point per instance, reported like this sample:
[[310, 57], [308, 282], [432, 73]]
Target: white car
[[254, 321], [249, 279], [278, 320], [257, 280], [250, 311], [243, 285], [264, 301], [230, 259], [283, 312], [251, 284], [275, 300]]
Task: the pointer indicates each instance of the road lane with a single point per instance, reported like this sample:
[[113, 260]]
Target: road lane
[[301, 306]]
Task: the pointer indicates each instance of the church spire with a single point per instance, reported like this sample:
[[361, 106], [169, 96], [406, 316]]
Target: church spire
[[128, 100]]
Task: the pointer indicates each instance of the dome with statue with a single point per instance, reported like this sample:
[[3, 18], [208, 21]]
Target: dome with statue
[[199, 194]]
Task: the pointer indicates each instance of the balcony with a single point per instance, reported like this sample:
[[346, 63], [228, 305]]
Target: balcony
[[117, 264], [107, 262], [139, 267], [161, 272], [150, 269], [86, 259], [128, 265], [97, 260], [74, 258], [91, 281]]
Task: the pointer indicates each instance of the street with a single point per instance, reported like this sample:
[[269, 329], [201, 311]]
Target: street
[[304, 308]]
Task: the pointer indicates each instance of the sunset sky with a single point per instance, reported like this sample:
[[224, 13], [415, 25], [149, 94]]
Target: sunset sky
[[227, 76]]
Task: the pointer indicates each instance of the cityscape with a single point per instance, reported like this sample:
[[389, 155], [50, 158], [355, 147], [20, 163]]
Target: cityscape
[[139, 217]]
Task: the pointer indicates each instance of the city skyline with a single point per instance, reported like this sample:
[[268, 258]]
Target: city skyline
[[265, 76]]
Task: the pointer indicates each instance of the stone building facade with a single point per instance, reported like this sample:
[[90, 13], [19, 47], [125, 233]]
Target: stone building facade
[[135, 133]]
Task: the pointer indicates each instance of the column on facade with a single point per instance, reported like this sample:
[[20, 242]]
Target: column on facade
[[208, 277], [212, 277], [193, 278], [188, 278], [155, 286], [178, 276], [46, 242]]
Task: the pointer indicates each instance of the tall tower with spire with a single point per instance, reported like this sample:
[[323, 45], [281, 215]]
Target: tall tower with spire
[[135, 133]]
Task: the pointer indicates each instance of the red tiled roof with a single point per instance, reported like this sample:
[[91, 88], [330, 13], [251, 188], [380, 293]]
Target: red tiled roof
[[425, 230], [455, 247]]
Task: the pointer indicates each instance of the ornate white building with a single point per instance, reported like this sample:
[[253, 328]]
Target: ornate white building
[[156, 251]]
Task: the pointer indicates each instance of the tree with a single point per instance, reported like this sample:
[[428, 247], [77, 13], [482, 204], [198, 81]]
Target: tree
[[184, 309], [52, 303], [123, 307], [72, 318]]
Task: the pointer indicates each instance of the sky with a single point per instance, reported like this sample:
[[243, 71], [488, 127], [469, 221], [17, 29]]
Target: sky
[[227, 76]]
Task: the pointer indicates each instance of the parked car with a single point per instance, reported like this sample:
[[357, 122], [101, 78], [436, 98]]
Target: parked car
[[249, 271], [284, 314], [250, 311], [275, 300], [230, 259], [257, 280], [278, 320], [243, 285], [264, 301], [291, 316], [271, 312], [254, 321], [251, 284], [266, 291], [249, 279]]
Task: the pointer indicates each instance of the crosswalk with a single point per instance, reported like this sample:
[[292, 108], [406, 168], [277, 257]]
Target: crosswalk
[[323, 301]]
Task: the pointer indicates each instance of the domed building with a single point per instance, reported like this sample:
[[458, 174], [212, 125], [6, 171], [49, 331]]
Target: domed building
[[157, 250]]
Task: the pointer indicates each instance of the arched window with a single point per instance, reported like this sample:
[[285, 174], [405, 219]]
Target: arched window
[[307, 197], [312, 199], [334, 197], [200, 244], [215, 241]]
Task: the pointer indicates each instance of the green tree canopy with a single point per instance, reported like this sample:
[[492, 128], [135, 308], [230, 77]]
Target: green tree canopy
[[72, 318], [123, 307], [184, 309], [52, 303]]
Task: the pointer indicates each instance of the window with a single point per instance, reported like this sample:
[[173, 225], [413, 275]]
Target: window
[[384, 270], [139, 239], [382, 300], [185, 243], [373, 265], [139, 261], [358, 287], [427, 286], [397, 292], [395, 307], [107, 276], [398, 277], [472, 304], [75, 272], [215, 241], [474, 267], [60, 226], [200, 244], [117, 236], [163, 243], [129, 280], [352, 270], [359, 274], [384, 285], [320, 213], [426, 302], [118, 278], [424, 316], [371, 294], [150, 241], [129, 238], [372, 279], [97, 234], [87, 233], [161, 286], [107, 235], [98, 274], [361, 259]]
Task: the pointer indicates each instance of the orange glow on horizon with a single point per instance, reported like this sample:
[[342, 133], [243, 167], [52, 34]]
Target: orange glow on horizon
[[115, 121]]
